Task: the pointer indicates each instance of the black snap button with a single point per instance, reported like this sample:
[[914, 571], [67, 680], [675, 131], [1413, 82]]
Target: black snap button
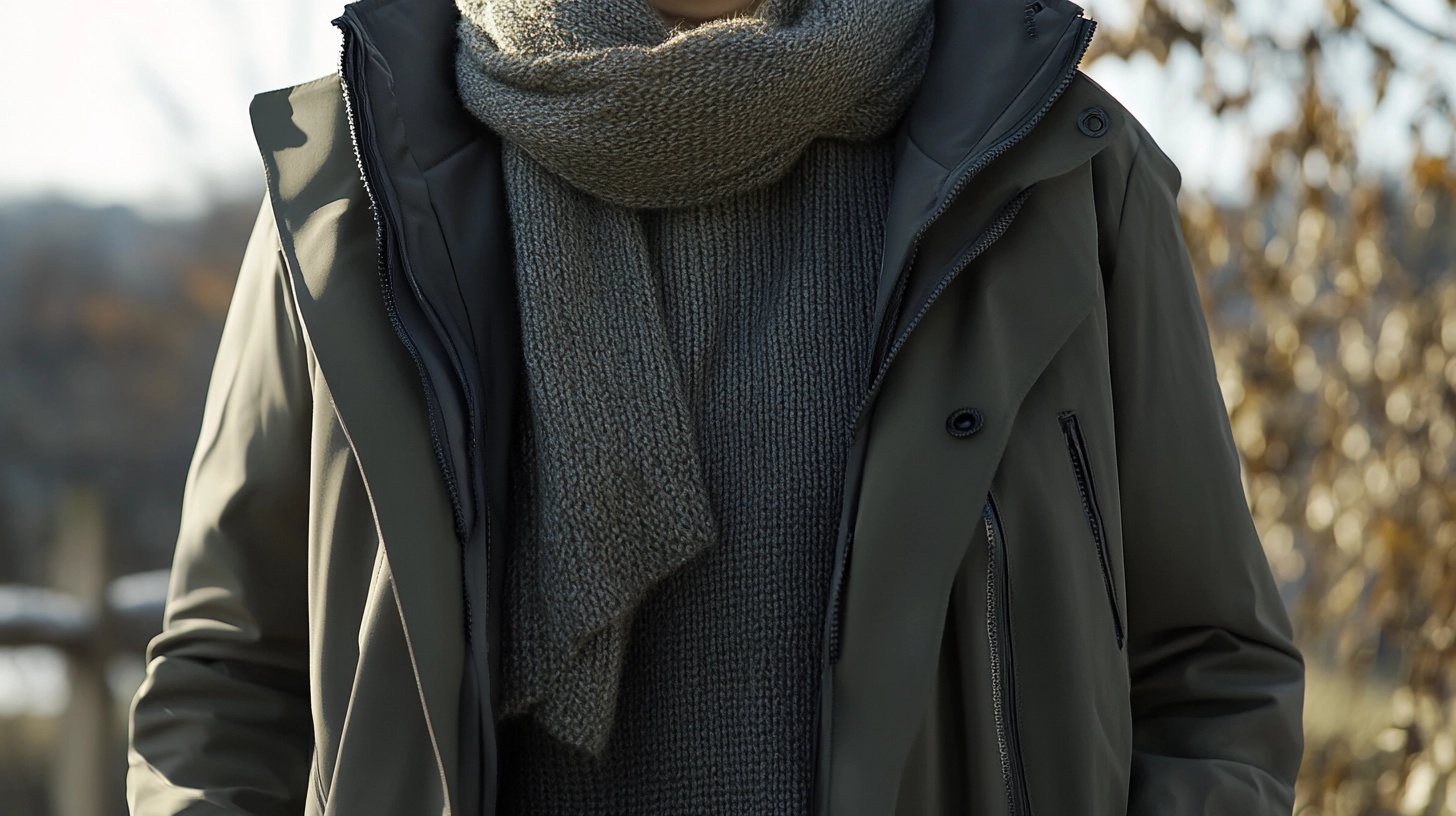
[[964, 422], [1093, 121]]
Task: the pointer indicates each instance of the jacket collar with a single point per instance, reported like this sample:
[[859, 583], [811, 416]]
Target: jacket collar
[[995, 66], [993, 69], [325, 234]]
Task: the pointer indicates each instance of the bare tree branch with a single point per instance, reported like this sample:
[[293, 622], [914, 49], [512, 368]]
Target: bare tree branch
[[1405, 17]]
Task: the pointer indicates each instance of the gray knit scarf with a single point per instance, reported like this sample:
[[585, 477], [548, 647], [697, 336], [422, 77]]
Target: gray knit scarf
[[604, 110]]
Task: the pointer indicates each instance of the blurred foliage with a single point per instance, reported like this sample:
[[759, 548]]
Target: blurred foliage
[[1331, 296]]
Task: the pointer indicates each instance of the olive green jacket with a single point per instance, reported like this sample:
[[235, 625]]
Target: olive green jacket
[[1048, 597]]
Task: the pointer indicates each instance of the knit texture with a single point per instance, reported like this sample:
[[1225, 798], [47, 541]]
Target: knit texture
[[770, 324], [606, 95], [614, 127]]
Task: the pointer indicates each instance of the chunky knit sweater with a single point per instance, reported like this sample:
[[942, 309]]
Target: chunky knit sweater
[[769, 322]]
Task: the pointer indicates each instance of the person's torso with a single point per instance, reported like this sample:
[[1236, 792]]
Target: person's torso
[[995, 222]]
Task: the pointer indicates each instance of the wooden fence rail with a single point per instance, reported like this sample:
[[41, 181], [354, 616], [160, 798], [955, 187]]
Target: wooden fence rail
[[91, 618]]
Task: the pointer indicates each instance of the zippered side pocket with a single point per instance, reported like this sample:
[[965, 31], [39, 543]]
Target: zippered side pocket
[[1005, 710], [1082, 468]]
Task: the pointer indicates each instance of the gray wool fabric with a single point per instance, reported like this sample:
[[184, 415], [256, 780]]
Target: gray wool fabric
[[697, 218], [604, 94], [770, 324]]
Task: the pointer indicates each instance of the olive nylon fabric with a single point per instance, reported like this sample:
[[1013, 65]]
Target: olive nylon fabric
[[610, 117], [312, 651]]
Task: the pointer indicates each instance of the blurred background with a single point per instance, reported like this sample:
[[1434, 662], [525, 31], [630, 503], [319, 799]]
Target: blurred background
[[1316, 143]]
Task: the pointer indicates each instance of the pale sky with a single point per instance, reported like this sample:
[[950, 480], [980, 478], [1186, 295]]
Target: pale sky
[[144, 102]]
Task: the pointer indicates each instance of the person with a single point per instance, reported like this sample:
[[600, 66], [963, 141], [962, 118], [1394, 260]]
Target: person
[[715, 406]]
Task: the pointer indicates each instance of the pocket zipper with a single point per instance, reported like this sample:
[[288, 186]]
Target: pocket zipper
[[1082, 467], [1004, 706]]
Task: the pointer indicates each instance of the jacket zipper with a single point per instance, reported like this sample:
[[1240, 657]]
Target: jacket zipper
[[1082, 467], [988, 237], [356, 110], [969, 170], [833, 628], [1003, 669], [837, 601]]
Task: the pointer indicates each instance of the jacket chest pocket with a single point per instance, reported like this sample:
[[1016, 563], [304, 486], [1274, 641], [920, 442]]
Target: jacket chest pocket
[[1081, 464]]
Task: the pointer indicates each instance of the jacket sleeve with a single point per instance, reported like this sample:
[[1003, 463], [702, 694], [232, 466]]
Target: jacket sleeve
[[1216, 682], [221, 723]]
